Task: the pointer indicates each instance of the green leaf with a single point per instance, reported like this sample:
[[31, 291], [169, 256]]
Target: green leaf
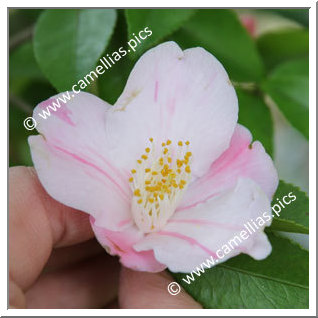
[[113, 81], [295, 216], [288, 86], [162, 22], [21, 104], [27, 87], [279, 281], [17, 138], [23, 67], [221, 33], [283, 45], [68, 43], [256, 116], [299, 15], [23, 64], [20, 20]]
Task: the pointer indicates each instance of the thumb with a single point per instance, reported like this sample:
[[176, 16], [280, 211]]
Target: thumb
[[149, 290]]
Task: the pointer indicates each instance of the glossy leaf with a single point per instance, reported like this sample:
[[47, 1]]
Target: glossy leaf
[[221, 33], [68, 43], [162, 22], [113, 81], [283, 45], [256, 116], [279, 281], [288, 86], [294, 217]]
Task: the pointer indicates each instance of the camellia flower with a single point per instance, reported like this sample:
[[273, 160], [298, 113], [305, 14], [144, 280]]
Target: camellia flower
[[167, 174]]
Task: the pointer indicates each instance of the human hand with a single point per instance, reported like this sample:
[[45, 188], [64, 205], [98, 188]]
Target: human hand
[[55, 262]]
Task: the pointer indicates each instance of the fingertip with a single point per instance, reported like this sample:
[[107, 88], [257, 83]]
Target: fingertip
[[141, 290], [37, 223]]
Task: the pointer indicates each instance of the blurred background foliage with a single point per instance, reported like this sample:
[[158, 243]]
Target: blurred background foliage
[[265, 53]]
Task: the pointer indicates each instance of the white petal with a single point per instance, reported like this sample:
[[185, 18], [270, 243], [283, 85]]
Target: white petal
[[193, 236], [74, 163], [177, 95]]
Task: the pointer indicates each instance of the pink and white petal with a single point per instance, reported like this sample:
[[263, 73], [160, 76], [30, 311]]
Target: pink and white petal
[[261, 246], [177, 95], [73, 161], [192, 237], [241, 159], [120, 243]]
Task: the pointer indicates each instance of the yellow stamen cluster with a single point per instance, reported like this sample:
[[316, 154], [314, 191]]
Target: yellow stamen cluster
[[160, 178], [164, 175]]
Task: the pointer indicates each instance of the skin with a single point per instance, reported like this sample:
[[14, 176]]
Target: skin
[[55, 262]]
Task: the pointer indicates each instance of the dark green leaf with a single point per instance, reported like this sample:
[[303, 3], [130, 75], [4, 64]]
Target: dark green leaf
[[288, 86], [27, 86], [162, 22], [113, 81], [21, 104], [283, 45], [299, 15], [21, 19], [23, 67], [68, 43], [18, 137], [295, 216], [279, 281], [221, 33], [255, 115]]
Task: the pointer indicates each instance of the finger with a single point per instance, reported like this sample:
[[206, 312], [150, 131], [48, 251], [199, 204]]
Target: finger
[[90, 284], [113, 305], [66, 256], [36, 224], [16, 296], [149, 290]]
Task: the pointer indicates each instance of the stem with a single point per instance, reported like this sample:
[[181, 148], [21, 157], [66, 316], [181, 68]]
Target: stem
[[20, 37], [250, 86], [17, 101]]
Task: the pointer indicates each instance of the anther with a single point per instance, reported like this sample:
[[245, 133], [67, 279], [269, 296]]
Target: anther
[[161, 178]]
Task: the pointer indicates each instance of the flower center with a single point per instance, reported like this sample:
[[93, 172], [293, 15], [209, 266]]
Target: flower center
[[158, 183]]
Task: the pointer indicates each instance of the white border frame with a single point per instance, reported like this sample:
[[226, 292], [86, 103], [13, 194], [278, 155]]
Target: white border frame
[[312, 165]]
